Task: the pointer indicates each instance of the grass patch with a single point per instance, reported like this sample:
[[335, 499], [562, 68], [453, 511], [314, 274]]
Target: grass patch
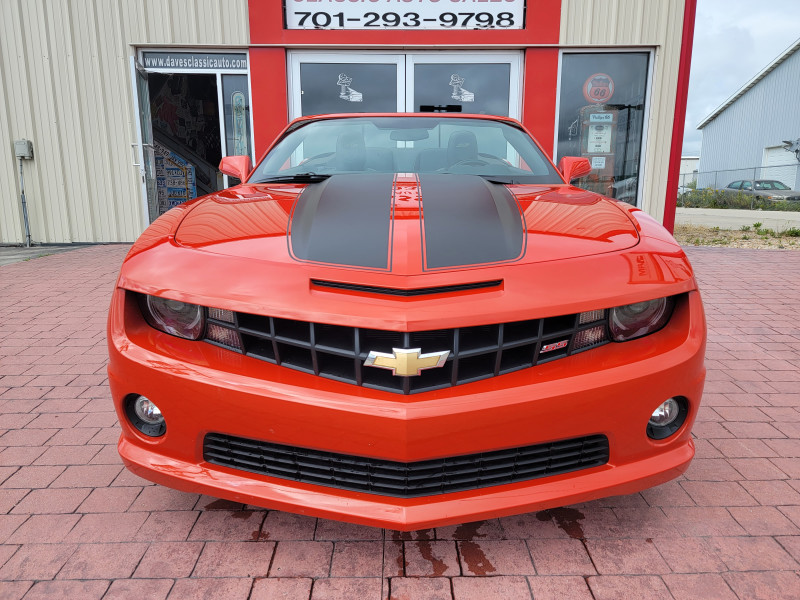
[[695, 235], [709, 198], [37, 256]]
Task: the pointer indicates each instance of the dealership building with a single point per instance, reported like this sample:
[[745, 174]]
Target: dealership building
[[129, 106]]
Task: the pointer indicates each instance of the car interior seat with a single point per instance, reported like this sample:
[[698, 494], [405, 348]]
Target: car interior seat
[[351, 152], [462, 146]]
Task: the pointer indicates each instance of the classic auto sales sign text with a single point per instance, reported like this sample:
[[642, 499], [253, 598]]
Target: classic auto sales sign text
[[404, 14]]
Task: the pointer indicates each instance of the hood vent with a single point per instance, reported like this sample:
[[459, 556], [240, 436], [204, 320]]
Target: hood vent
[[424, 291]]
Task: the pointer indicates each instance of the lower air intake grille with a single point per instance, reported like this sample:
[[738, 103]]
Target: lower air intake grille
[[406, 480]]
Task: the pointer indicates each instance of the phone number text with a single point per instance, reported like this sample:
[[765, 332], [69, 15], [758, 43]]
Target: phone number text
[[406, 20]]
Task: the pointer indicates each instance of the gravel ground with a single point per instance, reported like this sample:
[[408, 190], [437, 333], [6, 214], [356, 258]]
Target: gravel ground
[[745, 237]]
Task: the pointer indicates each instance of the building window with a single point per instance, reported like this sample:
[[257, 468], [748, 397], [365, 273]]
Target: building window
[[601, 116]]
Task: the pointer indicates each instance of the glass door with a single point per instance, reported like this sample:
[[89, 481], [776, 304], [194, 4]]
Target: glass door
[[348, 82], [345, 82], [193, 108], [487, 83], [144, 142], [235, 123]]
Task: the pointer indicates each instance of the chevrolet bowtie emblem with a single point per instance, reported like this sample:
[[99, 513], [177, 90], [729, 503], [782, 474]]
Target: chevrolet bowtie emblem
[[406, 362]]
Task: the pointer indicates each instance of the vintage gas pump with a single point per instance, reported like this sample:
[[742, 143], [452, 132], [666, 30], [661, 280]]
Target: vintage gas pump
[[598, 141], [599, 133]]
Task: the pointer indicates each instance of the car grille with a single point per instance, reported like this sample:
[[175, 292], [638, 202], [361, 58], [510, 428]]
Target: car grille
[[476, 353], [406, 480]]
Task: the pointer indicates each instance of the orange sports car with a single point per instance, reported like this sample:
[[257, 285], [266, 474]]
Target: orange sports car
[[406, 321]]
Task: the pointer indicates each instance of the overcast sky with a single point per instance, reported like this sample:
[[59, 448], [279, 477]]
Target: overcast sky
[[733, 41]]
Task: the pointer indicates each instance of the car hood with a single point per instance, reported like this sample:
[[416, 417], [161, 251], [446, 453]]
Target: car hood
[[406, 224]]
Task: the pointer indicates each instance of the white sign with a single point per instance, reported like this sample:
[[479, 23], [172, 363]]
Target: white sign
[[459, 93], [194, 61], [345, 91], [599, 141], [601, 117], [404, 14], [598, 162]]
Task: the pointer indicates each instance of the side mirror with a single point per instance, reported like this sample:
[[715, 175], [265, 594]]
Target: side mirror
[[236, 166], [572, 167]]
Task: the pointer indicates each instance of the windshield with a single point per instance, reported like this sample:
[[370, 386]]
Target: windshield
[[403, 144]]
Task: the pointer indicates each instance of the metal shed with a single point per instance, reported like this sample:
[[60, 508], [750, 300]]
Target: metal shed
[[745, 137]]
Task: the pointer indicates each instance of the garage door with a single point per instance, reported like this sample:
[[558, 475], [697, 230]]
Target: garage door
[[781, 165]]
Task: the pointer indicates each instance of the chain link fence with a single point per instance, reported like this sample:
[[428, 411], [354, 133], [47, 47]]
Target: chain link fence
[[775, 187], [788, 174]]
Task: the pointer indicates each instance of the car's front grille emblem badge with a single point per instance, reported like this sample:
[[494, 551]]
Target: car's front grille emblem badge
[[555, 346], [406, 362]]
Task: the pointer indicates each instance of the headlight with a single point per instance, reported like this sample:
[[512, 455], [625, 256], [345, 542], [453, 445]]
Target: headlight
[[635, 320], [173, 316]]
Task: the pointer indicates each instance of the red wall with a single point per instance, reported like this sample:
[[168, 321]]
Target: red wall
[[270, 106], [539, 94]]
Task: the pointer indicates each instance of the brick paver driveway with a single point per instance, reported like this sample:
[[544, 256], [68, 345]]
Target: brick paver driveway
[[75, 524]]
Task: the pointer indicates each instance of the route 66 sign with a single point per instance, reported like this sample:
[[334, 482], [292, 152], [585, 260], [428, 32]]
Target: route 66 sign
[[599, 88]]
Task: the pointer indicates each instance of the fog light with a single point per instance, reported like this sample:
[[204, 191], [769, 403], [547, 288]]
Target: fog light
[[145, 416], [667, 418], [147, 411], [665, 414]]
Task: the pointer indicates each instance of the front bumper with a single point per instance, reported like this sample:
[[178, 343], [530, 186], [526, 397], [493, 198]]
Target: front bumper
[[611, 390]]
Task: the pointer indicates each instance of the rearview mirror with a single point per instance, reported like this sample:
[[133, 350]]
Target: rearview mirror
[[236, 166], [408, 135], [572, 167]]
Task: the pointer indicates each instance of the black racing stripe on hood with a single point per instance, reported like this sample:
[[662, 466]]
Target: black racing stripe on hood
[[469, 221], [345, 220]]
